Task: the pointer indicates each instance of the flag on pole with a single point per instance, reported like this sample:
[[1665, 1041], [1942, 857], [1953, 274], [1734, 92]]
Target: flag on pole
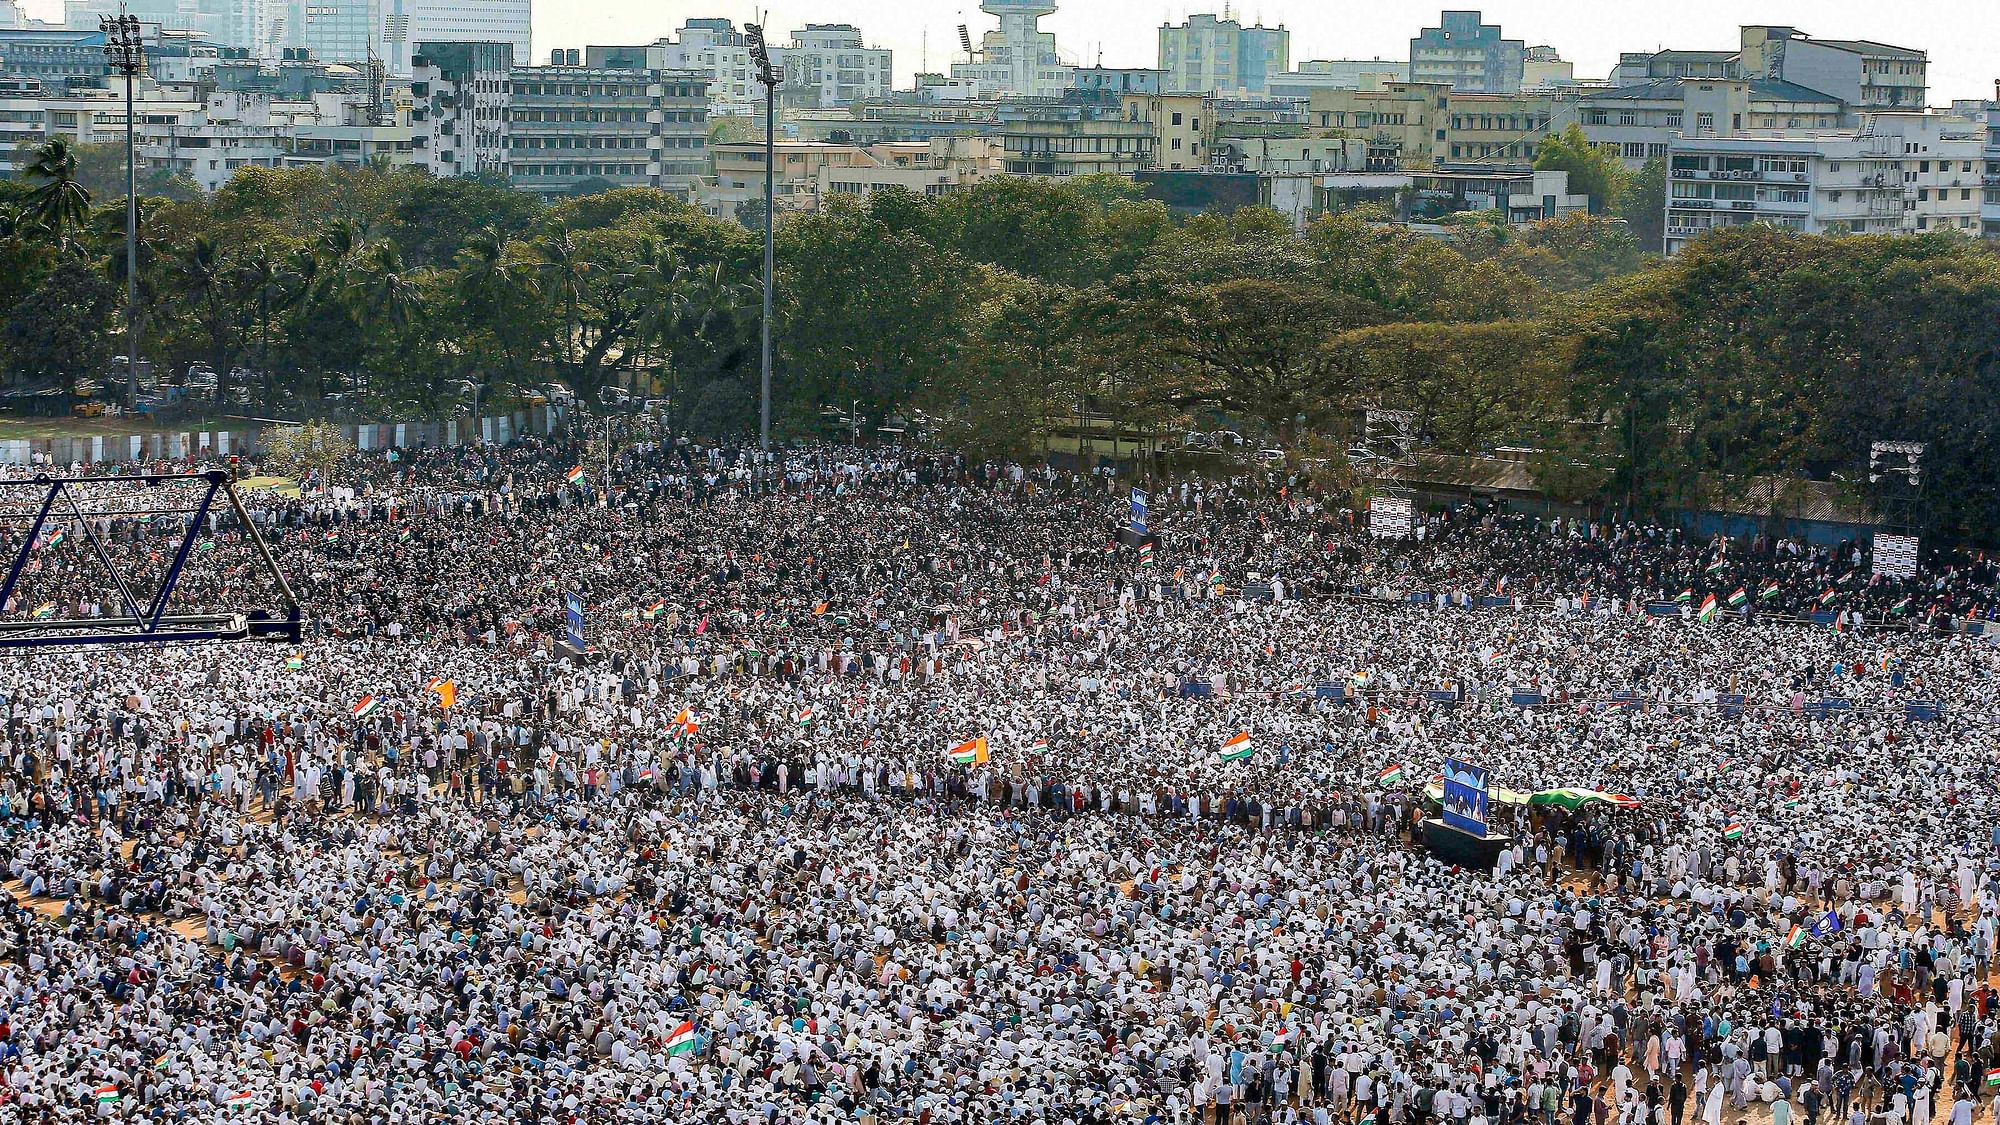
[[681, 1042], [366, 707], [971, 752], [1707, 611], [1733, 831], [575, 474], [1768, 592], [1390, 775], [1737, 599], [1237, 747], [1796, 938]]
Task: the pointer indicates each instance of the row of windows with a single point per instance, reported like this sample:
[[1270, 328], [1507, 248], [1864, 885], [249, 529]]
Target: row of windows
[[579, 169], [594, 141], [606, 89]]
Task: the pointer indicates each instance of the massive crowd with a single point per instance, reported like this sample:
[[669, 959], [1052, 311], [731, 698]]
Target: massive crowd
[[893, 789]]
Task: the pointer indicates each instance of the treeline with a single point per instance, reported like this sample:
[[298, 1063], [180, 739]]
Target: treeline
[[1004, 310]]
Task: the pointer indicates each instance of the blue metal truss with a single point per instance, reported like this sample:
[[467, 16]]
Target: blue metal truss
[[147, 623]]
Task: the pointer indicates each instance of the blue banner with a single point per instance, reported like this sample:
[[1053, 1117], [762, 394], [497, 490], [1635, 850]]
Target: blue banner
[[1924, 710], [1663, 609], [574, 602], [1527, 698], [1465, 797], [1197, 689], [1331, 691], [1441, 695], [1138, 512], [1732, 705]]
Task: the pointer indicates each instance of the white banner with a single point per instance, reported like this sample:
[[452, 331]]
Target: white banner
[[1896, 556], [1389, 517]]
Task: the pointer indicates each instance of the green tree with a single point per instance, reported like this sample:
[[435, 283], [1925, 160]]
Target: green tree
[[58, 332], [1643, 205], [58, 203], [1593, 171]]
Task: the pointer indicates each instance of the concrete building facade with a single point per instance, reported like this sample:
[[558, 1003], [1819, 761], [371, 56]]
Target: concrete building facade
[[1211, 54], [1897, 173], [1466, 54]]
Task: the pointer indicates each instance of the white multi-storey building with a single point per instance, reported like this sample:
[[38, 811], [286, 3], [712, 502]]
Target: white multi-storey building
[[1985, 117], [408, 23], [1898, 173], [828, 66], [460, 96]]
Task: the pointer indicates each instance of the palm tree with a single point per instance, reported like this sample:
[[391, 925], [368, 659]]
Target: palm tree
[[58, 203], [492, 290], [384, 299], [261, 272], [564, 267], [205, 277]]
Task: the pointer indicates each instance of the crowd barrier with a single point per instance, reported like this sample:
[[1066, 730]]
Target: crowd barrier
[[222, 441]]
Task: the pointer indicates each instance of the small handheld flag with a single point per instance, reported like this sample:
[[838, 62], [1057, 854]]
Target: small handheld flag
[[366, 706], [1737, 599], [971, 752], [1237, 747], [1734, 831], [1707, 611], [681, 1042], [295, 662], [575, 474], [1389, 775]]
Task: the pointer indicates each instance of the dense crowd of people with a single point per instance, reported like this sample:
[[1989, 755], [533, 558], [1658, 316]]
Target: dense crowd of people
[[888, 786]]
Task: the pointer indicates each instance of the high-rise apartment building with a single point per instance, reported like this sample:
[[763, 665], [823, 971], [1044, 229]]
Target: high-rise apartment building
[[408, 23], [1467, 55], [1210, 54]]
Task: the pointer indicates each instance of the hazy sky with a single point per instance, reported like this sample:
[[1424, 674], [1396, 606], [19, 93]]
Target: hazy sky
[[1962, 36]]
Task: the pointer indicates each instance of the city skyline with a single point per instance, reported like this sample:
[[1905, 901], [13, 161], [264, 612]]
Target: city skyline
[[1961, 66]]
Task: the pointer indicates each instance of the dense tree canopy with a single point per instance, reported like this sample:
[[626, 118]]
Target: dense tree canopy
[[1001, 310]]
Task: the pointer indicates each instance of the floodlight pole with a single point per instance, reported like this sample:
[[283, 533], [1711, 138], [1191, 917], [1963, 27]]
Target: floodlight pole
[[769, 78], [124, 53]]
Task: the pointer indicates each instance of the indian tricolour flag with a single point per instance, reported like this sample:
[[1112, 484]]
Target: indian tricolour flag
[[1796, 938], [575, 474], [1707, 610], [403, 536], [367, 706], [1038, 746], [107, 1094], [971, 752], [1145, 553], [805, 717], [1390, 775], [240, 1098], [53, 540], [1993, 1077], [1237, 747], [1684, 597], [1768, 592], [681, 1042], [1737, 599], [1733, 831], [295, 662]]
